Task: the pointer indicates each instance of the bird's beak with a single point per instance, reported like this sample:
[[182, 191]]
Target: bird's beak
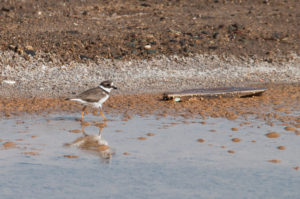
[[114, 87]]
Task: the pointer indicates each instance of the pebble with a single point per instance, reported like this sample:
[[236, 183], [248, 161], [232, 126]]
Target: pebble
[[150, 134], [142, 138], [281, 147], [31, 153], [231, 151], [75, 131], [8, 145], [200, 140], [290, 128], [71, 156], [147, 47], [236, 139], [10, 82], [273, 135], [274, 161]]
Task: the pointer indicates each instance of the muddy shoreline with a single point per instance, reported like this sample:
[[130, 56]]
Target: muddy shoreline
[[279, 104]]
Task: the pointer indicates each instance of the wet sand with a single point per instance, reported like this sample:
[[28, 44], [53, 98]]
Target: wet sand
[[274, 105]]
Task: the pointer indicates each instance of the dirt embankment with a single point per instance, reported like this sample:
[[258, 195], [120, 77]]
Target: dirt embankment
[[83, 31]]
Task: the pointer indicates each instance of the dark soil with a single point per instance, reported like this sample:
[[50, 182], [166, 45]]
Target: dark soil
[[91, 29]]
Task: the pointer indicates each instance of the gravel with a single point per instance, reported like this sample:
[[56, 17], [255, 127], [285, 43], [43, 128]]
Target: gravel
[[37, 77]]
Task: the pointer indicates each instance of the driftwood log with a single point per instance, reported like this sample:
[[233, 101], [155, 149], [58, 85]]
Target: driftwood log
[[214, 93]]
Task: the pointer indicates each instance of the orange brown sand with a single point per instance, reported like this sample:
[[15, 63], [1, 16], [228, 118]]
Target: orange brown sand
[[276, 103]]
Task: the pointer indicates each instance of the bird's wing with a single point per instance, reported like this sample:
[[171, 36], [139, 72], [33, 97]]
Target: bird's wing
[[92, 95]]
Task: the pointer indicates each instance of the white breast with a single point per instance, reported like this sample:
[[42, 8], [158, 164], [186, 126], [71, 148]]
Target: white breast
[[101, 101]]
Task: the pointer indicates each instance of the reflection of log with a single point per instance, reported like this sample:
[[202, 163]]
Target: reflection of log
[[214, 93]]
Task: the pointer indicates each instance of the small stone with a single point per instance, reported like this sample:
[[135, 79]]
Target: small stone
[[231, 151], [32, 153], [142, 138], [150, 134], [151, 51], [8, 145], [281, 147], [30, 52], [274, 161], [200, 140], [236, 139], [297, 168], [213, 47], [147, 47], [290, 128], [234, 129], [10, 82], [126, 153], [273, 135], [29, 47], [75, 131], [71, 156]]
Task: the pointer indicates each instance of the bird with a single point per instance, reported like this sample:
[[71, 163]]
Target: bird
[[95, 97]]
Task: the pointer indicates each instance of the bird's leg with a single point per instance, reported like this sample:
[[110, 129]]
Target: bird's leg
[[82, 113], [101, 113], [100, 130]]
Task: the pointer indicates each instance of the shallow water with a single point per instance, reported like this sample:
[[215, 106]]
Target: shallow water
[[170, 164]]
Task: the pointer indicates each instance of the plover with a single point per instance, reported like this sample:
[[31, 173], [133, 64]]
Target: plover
[[95, 97]]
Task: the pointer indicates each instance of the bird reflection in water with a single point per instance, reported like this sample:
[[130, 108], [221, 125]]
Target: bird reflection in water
[[93, 143]]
